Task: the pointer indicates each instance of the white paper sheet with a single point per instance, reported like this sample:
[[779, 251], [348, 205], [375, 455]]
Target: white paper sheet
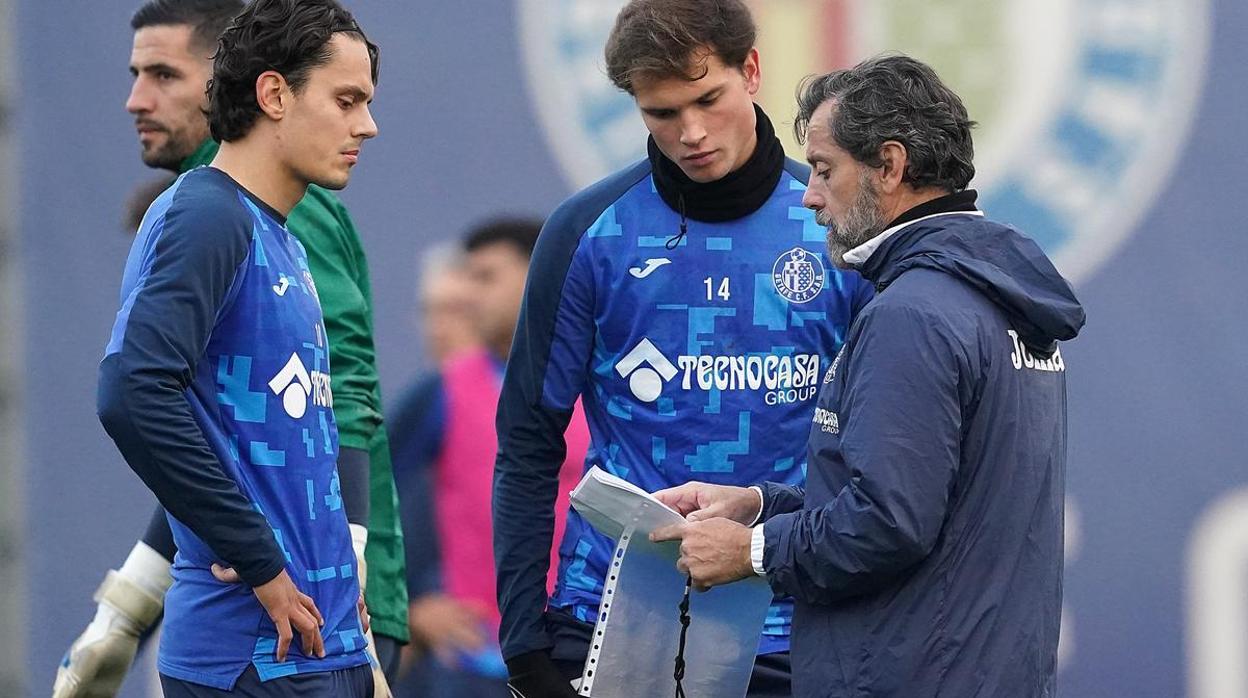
[[637, 634], [611, 504]]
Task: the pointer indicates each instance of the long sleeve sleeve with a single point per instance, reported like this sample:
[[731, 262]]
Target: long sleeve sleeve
[[547, 370]]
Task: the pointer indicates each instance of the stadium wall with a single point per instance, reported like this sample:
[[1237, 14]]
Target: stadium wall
[[12, 568]]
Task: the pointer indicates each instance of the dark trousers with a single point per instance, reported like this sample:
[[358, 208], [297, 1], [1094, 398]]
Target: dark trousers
[[356, 682]]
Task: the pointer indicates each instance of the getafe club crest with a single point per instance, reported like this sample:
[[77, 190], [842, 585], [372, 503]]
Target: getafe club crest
[[1083, 105], [798, 275]]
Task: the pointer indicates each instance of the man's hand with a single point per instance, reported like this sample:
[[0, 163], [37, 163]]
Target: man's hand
[[699, 501], [445, 626], [288, 607], [365, 619], [534, 675], [712, 552], [381, 688], [226, 574]]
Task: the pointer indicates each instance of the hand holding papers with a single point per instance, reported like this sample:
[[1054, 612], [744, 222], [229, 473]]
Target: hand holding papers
[[712, 552], [638, 629]]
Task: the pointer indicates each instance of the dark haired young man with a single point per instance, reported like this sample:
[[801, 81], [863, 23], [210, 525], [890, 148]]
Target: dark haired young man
[[215, 383], [687, 300], [174, 41]]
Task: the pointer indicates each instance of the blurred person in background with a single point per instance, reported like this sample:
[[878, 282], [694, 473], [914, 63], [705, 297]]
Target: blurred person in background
[[445, 304], [699, 255], [171, 61], [444, 317], [444, 444]]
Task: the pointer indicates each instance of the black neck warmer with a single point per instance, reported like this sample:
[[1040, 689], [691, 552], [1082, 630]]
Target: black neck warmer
[[738, 194]]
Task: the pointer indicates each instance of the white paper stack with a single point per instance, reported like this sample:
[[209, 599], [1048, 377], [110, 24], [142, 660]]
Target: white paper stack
[[635, 639], [612, 504]]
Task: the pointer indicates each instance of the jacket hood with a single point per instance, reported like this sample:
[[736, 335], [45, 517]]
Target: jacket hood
[[1009, 268]]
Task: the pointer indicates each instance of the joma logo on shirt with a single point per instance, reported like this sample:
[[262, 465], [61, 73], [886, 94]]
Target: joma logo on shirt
[[1021, 358]]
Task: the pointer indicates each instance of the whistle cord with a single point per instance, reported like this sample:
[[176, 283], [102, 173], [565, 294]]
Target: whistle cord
[[679, 673]]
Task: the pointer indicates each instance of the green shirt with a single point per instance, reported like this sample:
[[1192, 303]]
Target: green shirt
[[336, 260]]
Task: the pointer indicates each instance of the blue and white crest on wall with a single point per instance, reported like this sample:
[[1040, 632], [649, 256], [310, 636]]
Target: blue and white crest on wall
[[1083, 105]]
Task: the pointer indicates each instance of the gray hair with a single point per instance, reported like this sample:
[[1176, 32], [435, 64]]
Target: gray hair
[[435, 262], [895, 98]]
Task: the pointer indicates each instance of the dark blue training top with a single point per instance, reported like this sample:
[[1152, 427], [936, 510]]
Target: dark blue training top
[[215, 387]]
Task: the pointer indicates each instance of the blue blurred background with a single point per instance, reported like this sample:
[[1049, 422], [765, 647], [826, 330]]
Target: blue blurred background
[[1112, 130]]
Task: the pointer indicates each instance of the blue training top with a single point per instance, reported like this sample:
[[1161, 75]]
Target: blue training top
[[700, 362], [215, 387]]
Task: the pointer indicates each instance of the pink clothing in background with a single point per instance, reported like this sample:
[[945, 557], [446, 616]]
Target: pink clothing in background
[[464, 477]]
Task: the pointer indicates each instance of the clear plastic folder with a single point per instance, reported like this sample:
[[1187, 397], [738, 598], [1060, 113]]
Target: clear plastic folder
[[636, 636]]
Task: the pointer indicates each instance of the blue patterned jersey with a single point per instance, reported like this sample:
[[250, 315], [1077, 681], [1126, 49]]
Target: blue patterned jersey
[[215, 386], [699, 362]]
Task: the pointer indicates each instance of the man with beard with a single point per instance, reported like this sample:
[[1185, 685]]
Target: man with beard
[[925, 551], [687, 300], [171, 62]]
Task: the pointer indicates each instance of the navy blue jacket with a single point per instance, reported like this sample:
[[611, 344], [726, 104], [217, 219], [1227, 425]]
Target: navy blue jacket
[[925, 553]]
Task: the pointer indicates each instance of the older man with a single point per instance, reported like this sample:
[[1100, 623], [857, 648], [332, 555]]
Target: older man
[[925, 551]]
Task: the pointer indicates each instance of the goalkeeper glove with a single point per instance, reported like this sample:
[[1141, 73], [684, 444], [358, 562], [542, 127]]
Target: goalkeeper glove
[[97, 662]]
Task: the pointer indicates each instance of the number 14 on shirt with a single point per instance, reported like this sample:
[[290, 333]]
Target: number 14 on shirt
[[722, 292]]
